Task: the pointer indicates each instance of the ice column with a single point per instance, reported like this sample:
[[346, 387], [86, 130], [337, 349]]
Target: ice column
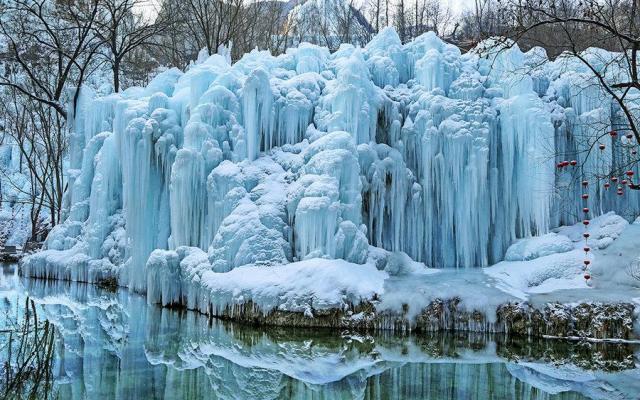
[[148, 153], [257, 101]]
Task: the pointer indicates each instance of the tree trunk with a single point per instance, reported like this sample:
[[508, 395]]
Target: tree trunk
[[116, 75]]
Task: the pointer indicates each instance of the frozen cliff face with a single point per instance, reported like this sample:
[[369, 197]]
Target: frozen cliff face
[[414, 148]]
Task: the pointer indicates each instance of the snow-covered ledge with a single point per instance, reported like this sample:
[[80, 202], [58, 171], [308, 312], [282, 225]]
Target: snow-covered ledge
[[538, 292], [184, 277]]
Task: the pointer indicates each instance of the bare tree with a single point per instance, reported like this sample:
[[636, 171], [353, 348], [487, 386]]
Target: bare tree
[[266, 26], [571, 26], [201, 24], [40, 137], [350, 26], [123, 29], [28, 349], [330, 24], [374, 9], [50, 46], [401, 21], [434, 16], [210, 23]]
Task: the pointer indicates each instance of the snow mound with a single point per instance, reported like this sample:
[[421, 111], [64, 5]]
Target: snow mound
[[603, 230], [541, 275], [400, 264], [308, 285], [539, 246], [305, 286]]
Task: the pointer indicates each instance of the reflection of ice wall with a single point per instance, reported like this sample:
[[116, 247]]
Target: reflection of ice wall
[[112, 345], [413, 148]]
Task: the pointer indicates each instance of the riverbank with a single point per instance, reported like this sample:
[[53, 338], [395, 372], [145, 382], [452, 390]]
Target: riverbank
[[413, 304]]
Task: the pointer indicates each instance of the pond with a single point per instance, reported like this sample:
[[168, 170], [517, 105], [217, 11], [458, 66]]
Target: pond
[[92, 343]]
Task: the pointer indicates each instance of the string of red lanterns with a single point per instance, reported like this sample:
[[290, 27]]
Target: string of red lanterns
[[585, 195], [585, 235]]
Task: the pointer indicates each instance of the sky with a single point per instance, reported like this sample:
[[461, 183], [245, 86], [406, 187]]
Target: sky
[[150, 7], [459, 5]]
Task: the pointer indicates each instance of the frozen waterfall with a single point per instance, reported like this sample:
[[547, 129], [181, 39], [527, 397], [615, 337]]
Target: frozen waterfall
[[416, 148]]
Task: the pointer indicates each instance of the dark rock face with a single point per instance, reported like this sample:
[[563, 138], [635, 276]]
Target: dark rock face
[[584, 320], [590, 320]]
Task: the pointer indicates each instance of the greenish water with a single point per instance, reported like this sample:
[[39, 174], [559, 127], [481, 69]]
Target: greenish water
[[112, 345]]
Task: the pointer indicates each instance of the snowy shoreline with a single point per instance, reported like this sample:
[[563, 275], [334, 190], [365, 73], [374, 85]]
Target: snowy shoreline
[[286, 301]]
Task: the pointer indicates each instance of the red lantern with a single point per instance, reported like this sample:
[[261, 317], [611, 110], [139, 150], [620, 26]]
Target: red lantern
[[620, 192], [629, 173], [624, 182], [614, 179], [585, 210], [613, 133], [586, 249], [586, 235], [601, 146], [565, 163], [573, 163], [587, 262], [585, 196], [559, 165], [585, 183], [587, 277], [607, 185], [585, 222]]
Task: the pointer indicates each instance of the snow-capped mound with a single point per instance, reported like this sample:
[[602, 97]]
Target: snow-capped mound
[[539, 246], [559, 261], [541, 275], [185, 277], [603, 230]]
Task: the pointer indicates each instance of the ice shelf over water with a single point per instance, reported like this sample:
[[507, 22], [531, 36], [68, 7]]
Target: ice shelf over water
[[415, 148]]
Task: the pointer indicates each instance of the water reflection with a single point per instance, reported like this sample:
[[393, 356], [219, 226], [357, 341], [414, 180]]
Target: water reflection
[[113, 345], [27, 348]]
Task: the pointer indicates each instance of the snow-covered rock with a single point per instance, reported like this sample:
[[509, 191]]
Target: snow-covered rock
[[603, 230], [540, 275], [185, 277], [539, 246]]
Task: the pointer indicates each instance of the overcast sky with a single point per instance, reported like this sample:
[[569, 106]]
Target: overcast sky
[[150, 7], [460, 5]]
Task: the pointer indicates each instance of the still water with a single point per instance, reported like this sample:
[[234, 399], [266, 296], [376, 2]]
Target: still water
[[99, 344]]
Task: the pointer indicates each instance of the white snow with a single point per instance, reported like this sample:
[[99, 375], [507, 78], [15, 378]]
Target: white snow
[[304, 286], [541, 275], [539, 246], [603, 229], [554, 262]]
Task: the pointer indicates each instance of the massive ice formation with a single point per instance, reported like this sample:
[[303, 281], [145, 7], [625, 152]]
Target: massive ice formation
[[412, 148]]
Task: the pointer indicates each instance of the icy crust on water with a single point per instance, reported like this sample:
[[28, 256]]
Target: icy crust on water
[[271, 164]]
